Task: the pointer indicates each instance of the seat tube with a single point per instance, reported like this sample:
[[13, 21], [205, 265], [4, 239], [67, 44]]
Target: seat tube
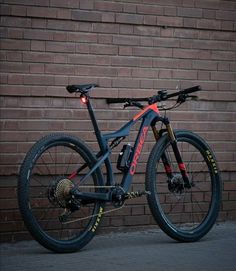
[[97, 131], [102, 144]]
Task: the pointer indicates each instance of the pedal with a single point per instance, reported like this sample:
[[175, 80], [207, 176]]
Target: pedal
[[132, 195]]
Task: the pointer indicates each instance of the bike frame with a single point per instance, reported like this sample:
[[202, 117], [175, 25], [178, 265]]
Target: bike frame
[[149, 116]]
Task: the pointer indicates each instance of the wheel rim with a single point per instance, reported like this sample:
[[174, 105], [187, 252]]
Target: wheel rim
[[185, 210], [50, 171]]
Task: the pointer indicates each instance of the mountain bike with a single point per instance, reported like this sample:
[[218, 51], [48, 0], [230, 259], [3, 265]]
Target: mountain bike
[[63, 191]]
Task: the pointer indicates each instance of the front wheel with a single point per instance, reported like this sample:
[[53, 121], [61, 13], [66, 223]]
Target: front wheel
[[185, 214], [53, 166]]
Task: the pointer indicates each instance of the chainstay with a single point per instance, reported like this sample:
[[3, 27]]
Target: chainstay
[[104, 212]]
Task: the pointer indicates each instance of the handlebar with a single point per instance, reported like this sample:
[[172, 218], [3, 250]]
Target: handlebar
[[161, 96]]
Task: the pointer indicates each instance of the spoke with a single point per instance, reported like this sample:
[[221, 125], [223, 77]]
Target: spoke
[[190, 160], [198, 172], [37, 180], [46, 165], [173, 206], [55, 161], [66, 173], [191, 199], [199, 206]]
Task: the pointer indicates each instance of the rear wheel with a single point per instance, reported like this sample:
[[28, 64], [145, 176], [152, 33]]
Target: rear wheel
[[54, 218], [185, 214]]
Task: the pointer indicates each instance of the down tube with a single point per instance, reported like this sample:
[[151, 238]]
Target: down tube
[[127, 178]]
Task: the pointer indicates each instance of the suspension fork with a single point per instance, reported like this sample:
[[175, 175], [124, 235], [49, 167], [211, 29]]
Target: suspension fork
[[164, 158], [175, 148], [178, 157]]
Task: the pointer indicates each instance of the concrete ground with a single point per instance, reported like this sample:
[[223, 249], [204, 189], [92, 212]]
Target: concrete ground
[[149, 250]]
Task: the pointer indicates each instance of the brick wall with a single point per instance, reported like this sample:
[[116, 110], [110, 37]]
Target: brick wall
[[130, 48]]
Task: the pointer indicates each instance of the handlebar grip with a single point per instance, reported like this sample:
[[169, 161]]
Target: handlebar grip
[[192, 89]]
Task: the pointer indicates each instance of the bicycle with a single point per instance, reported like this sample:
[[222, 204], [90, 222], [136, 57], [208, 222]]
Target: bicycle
[[62, 191]]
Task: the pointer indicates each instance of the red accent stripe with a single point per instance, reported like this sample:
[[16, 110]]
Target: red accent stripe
[[72, 175], [152, 107], [182, 166], [168, 169]]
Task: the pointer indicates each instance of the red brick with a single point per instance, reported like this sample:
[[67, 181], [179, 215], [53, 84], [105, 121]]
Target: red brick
[[169, 21], [90, 16], [38, 45], [170, 11], [14, 56], [150, 9], [150, 20], [14, 67], [226, 15], [5, 10], [62, 25], [209, 24], [126, 40], [15, 33], [129, 8], [105, 28], [66, 4], [129, 18], [86, 4], [104, 49], [39, 23], [108, 17], [190, 75], [223, 76], [108, 6], [15, 79], [64, 14], [204, 65], [16, 22], [82, 37], [207, 4], [59, 69], [37, 68], [125, 50], [38, 80], [189, 12], [37, 57], [44, 12], [60, 47], [15, 44], [125, 83]]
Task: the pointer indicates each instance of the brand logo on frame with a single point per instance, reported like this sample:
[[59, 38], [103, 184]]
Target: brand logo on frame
[[138, 150]]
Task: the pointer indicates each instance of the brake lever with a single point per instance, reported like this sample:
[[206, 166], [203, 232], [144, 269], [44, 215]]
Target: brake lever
[[133, 103], [183, 97], [127, 104], [193, 97]]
